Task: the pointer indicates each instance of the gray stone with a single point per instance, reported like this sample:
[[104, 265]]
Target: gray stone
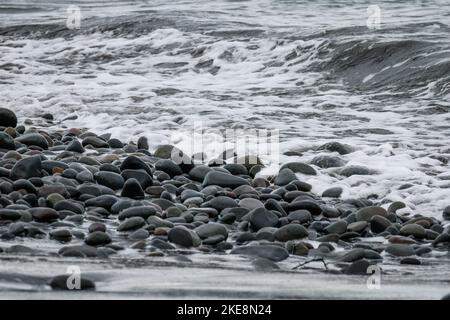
[[271, 252], [211, 229], [400, 250], [33, 139], [98, 238], [6, 141], [27, 168], [284, 177], [7, 118], [223, 180], [184, 237], [365, 214], [299, 167], [291, 232], [325, 161], [132, 223], [413, 229], [261, 217]]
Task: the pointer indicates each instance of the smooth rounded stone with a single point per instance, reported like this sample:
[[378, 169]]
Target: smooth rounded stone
[[33, 139], [260, 218], [27, 168], [75, 146], [154, 191], [358, 226], [298, 248], [94, 141], [20, 249], [105, 201], [400, 250], [12, 155], [330, 212], [61, 234], [284, 177], [69, 205], [115, 143], [220, 203], [334, 192], [83, 250], [211, 229], [401, 240], [49, 189], [338, 227], [183, 236], [365, 214], [353, 255], [271, 252], [266, 234], [193, 202], [134, 163], [161, 244], [413, 230], [132, 189], [332, 237], [325, 161], [7, 118], [291, 232], [214, 240], [301, 216], [157, 222], [411, 261], [132, 223], [110, 179], [166, 151], [26, 185], [446, 213], [442, 238], [379, 223], [272, 204], [17, 228], [198, 173], [299, 167], [139, 234], [423, 251], [393, 207], [335, 146], [244, 189], [221, 179], [41, 214], [236, 169], [138, 211], [355, 170], [358, 267], [6, 141], [309, 205], [168, 166], [98, 238], [144, 179], [97, 226], [54, 198], [263, 265], [238, 213], [250, 203], [65, 282], [188, 193], [142, 143], [85, 176], [301, 186]]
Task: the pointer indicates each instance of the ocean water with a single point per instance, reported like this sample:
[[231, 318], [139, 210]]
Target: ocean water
[[312, 69]]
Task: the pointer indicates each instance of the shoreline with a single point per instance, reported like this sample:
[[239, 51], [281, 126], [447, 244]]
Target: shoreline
[[81, 196]]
